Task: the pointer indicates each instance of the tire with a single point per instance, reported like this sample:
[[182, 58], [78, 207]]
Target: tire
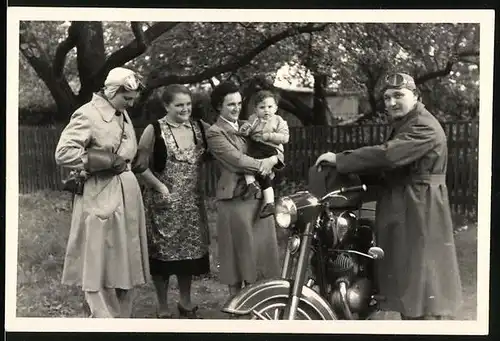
[[274, 310]]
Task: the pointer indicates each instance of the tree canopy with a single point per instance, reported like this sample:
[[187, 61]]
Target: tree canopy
[[62, 63]]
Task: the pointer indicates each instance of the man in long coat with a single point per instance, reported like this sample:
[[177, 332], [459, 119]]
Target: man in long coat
[[419, 274]]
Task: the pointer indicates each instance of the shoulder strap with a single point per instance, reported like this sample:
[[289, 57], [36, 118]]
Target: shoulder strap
[[156, 127], [159, 149]]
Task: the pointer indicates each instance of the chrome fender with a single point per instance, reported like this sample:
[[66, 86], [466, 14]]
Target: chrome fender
[[251, 296]]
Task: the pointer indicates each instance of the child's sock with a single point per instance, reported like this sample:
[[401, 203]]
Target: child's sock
[[249, 178], [268, 194]]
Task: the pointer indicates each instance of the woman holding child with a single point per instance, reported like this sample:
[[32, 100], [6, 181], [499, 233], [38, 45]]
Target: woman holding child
[[247, 243], [174, 148]]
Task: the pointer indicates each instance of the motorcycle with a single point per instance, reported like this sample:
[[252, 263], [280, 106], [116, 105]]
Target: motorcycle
[[328, 269]]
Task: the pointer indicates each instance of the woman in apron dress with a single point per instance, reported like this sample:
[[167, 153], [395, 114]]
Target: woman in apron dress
[[176, 217]]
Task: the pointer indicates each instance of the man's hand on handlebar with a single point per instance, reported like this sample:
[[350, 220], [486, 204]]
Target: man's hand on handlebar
[[326, 158]]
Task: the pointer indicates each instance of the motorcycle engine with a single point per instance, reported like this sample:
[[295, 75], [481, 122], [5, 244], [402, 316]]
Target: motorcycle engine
[[343, 265], [358, 296], [336, 226]]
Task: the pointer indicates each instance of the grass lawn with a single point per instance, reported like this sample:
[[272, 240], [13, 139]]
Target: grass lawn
[[44, 220]]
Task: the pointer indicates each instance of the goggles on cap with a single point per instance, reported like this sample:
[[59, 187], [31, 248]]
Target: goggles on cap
[[125, 78], [399, 80], [133, 83]]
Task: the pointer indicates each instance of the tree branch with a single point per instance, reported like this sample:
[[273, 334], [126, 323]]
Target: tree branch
[[468, 61], [243, 60], [62, 51], [394, 37], [309, 58], [139, 35], [435, 74], [448, 68], [375, 38], [33, 52], [305, 116], [458, 40], [132, 50], [468, 53], [39, 60]]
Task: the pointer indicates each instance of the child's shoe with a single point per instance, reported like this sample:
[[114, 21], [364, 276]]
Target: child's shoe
[[267, 210], [251, 191]]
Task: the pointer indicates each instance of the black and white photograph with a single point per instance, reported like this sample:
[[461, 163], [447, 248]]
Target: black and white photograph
[[277, 171]]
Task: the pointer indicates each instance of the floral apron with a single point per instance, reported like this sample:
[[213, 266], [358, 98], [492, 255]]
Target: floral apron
[[178, 226]]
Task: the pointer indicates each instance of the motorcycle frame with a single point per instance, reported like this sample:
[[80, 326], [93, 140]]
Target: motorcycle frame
[[303, 262], [301, 269], [291, 285]]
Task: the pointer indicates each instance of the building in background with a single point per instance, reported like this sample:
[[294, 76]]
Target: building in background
[[343, 105]]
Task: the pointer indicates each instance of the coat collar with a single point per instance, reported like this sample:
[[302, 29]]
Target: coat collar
[[419, 108], [229, 131], [105, 108], [228, 123]]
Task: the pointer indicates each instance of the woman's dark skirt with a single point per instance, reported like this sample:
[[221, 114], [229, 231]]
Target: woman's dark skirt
[[187, 267]]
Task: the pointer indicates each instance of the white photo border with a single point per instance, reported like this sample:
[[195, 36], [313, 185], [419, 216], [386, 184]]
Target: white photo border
[[479, 327]]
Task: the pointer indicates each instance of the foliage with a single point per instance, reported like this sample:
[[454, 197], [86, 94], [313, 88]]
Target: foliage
[[443, 58]]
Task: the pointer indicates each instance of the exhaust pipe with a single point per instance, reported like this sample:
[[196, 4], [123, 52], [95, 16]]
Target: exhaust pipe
[[343, 299]]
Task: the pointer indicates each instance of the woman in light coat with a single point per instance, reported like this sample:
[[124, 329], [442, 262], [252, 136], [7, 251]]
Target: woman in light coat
[[107, 250]]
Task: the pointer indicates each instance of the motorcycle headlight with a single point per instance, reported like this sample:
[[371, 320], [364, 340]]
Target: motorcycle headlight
[[285, 212], [344, 222]]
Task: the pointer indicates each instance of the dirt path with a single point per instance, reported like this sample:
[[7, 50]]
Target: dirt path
[[211, 295], [43, 222]]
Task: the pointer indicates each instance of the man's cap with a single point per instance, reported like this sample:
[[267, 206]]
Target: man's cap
[[399, 81]]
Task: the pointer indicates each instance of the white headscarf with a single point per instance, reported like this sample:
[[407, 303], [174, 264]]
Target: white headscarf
[[118, 77]]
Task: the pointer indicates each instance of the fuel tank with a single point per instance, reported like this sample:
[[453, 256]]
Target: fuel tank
[[328, 179]]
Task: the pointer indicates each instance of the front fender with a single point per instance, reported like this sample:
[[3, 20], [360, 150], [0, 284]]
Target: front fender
[[247, 299]]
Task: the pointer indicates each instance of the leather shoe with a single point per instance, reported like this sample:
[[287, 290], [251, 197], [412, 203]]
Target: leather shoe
[[188, 313]]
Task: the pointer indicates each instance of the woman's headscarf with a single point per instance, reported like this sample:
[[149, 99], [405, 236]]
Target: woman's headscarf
[[121, 77]]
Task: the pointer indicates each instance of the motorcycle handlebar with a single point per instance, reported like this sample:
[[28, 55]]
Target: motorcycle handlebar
[[345, 190], [353, 189]]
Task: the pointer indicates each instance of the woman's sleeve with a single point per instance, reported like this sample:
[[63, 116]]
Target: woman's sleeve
[[144, 150], [208, 157], [76, 136], [232, 158], [205, 125]]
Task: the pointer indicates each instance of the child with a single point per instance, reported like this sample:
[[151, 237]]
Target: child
[[268, 132]]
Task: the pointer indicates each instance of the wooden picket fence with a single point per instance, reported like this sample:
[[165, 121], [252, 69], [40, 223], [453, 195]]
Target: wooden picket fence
[[38, 171]]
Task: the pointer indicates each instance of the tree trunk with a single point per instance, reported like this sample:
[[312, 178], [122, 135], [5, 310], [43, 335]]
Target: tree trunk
[[320, 105], [91, 56], [64, 97], [373, 101]]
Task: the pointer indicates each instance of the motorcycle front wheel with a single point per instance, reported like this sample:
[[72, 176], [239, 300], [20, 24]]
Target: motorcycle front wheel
[[274, 309]]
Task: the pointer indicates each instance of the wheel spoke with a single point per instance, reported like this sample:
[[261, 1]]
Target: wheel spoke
[[274, 311], [259, 315]]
